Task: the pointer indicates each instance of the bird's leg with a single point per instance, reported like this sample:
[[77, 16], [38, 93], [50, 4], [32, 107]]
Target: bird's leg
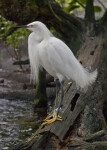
[[51, 116], [56, 94], [62, 95], [54, 116]]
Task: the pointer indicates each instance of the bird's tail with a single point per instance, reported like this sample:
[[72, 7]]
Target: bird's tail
[[81, 75], [88, 78]]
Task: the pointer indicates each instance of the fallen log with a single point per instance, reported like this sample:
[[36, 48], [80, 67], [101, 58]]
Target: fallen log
[[21, 62]]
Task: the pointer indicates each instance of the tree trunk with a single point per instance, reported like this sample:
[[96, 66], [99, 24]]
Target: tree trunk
[[90, 18], [40, 93], [89, 12]]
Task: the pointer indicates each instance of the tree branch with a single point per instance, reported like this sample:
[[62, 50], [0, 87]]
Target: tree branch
[[89, 12], [52, 11], [21, 62], [102, 4], [104, 18], [95, 136], [42, 12]]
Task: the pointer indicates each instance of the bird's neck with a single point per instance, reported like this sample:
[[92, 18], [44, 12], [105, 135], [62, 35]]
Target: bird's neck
[[46, 33]]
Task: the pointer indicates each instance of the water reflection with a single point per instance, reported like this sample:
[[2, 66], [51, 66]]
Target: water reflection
[[13, 125]]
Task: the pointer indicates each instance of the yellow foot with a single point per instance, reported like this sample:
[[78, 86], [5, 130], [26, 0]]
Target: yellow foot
[[52, 118]]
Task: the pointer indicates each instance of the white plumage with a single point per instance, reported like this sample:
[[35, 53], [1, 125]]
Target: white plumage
[[55, 56]]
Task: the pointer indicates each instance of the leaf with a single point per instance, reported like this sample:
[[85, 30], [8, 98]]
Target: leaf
[[82, 1], [71, 8], [97, 9], [74, 2], [68, 1]]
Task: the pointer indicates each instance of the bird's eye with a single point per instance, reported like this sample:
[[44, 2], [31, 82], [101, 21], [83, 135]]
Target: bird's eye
[[30, 26]]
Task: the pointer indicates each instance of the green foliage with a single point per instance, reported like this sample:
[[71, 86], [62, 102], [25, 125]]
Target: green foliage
[[4, 26], [97, 9], [59, 1], [70, 8], [14, 39], [82, 1], [70, 5]]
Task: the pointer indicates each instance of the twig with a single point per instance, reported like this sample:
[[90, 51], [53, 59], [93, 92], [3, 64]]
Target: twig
[[95, 136], [102, 4], [81, 4]]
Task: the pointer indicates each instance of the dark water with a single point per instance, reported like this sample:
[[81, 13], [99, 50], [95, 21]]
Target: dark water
[[14, 124]]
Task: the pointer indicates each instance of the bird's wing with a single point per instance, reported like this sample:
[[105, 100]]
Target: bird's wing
[[61, 61], [60, 58]]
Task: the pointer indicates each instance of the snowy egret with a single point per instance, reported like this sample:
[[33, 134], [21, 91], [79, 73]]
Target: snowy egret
[[57, 59]]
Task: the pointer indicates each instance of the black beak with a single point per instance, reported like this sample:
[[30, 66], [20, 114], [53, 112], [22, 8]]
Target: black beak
[[23, 26]]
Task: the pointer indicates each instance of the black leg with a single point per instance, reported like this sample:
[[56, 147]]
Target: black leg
[[56, 94], [62, 95]]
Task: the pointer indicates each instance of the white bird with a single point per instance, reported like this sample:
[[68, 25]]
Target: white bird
[[57, 59]]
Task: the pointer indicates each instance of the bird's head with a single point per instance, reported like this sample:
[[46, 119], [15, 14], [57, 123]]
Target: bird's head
[[32, 26], [37, 27]]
